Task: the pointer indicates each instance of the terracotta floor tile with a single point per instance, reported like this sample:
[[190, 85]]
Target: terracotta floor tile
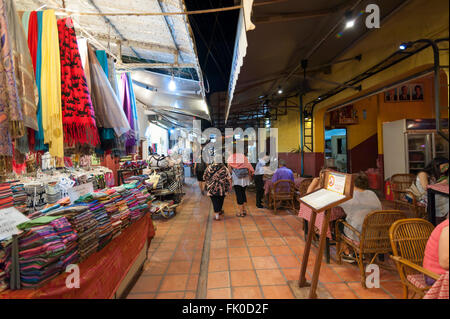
[[291, 273], [277, 292], [174, 283], [235, 235], [270, 277], [195, 269], [347, 272], [254, 242], [220, 243], [190, 295], [141, 296], [240, 263], [218, 253], [364, 293], [275, 241], [155, 268], [288, 261], [259, 251], [266, 262], [340, 291], [218, 280], [192, 282], [281, 250], [161, 257], [222, 293], [238, 252], [246, 293], [147, 284], [218, 264], [236, 243], [215, 236], [242, 278], [395, 288], [179, 267], [170, 295]]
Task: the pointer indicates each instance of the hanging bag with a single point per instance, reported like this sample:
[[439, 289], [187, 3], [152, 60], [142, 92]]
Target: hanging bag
[[160, 161]]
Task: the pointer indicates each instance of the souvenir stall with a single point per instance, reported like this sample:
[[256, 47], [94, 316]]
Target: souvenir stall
[[60, 103]]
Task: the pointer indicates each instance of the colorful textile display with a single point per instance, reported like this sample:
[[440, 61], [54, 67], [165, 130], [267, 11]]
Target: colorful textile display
[[108, 112], [11, 120], [77, 111], [112, 76], [51, 86], [129, 107], [23, 66]]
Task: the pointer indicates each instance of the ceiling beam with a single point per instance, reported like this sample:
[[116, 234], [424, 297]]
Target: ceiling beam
[[129, 66]]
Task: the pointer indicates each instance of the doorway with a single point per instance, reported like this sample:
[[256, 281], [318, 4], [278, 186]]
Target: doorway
[[336, 149]]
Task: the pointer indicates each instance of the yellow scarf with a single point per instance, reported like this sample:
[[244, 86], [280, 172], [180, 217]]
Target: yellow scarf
[[51, 86]]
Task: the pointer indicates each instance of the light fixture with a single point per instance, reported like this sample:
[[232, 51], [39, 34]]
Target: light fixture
[[172, 84], [280, 90], [350, 21], [404, 46]]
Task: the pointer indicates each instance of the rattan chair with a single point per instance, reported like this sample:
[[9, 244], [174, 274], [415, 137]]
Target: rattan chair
[[409, 238], [400, 183], [283, 191], [373, 238]]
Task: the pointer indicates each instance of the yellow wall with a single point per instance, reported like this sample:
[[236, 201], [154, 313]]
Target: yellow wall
[[288, 128], [418, 19]]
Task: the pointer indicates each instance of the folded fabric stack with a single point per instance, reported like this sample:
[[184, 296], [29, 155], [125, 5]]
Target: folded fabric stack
[[6, 196], [52, 193], [113, 212], [86, 227], [20, 197], [104, 226], [5, 264], [46, 247]]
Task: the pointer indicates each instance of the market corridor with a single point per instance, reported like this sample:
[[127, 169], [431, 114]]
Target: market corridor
[[252, 257]]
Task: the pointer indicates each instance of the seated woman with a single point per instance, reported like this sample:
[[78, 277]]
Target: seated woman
[[435, 172], [363, 202], [436, 251]]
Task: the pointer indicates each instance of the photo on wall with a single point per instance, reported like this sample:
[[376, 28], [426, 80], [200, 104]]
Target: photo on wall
[[417, 92], [391, 95], [404, 93]]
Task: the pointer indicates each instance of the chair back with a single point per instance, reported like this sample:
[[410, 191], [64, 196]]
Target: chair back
[[284, 187], [303, 187], [401, 182], [409, 238], [375, 230]]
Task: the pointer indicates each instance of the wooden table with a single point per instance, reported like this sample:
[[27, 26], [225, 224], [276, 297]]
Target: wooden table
[[432, 190]]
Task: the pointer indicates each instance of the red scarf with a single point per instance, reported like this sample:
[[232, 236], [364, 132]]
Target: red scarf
[[77, 110], [238, 161]]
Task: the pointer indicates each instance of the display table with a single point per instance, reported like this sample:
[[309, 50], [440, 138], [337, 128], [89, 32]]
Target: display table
[[105, 274]]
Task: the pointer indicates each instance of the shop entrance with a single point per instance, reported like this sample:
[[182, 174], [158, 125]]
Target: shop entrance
[[336, 149]]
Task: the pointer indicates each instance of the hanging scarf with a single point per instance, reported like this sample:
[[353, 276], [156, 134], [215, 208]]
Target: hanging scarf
[[112, 76], [51, 86], [103, 60], [11, 121], [25, 22], [128, 109], [23, 67], [133, 106], [77, 110], [108, 112]]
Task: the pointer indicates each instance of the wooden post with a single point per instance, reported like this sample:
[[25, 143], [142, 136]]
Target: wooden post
[[302, 281]]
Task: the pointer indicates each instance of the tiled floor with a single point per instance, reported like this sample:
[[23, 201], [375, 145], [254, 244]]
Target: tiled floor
[[251, 257]]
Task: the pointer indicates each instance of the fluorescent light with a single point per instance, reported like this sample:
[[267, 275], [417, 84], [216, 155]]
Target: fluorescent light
[[402, 47], [172, 85], [350, 24]]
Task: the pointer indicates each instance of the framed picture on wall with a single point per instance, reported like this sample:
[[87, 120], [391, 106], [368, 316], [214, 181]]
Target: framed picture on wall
[[391, 95], [404, 93], [417, 92]]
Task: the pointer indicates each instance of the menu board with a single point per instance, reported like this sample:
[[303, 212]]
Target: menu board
[[336, 183], [321, 198], [9, 219]]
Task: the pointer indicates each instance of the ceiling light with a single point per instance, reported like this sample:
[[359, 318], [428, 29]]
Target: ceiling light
[[404, 46], [280, 90], [350, 24], [172, 84]]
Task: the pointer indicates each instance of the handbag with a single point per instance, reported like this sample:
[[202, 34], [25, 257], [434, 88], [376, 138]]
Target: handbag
[[158, 161], [241, 172]]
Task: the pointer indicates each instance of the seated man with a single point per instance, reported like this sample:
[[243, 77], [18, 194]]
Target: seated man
[[364, 201], [282, 172]]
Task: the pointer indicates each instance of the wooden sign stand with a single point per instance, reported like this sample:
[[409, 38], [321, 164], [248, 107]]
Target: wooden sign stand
[[330, 178]]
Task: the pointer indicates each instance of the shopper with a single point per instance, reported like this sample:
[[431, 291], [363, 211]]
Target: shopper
[[363, 202], [259, 179], [218, 183], [436, 251], [242, 172], [199, 169], [435, 172]]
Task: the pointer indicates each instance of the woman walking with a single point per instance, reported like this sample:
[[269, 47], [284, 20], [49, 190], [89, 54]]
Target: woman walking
[[242, 172], [200, 169], [218, 183]]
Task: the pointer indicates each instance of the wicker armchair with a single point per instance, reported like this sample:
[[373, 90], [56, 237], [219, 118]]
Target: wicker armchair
[[373, 238], [401, 182], [283, 191], [408, 240]]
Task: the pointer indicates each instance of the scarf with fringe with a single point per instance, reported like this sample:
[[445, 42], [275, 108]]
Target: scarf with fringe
[[77, 110]]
